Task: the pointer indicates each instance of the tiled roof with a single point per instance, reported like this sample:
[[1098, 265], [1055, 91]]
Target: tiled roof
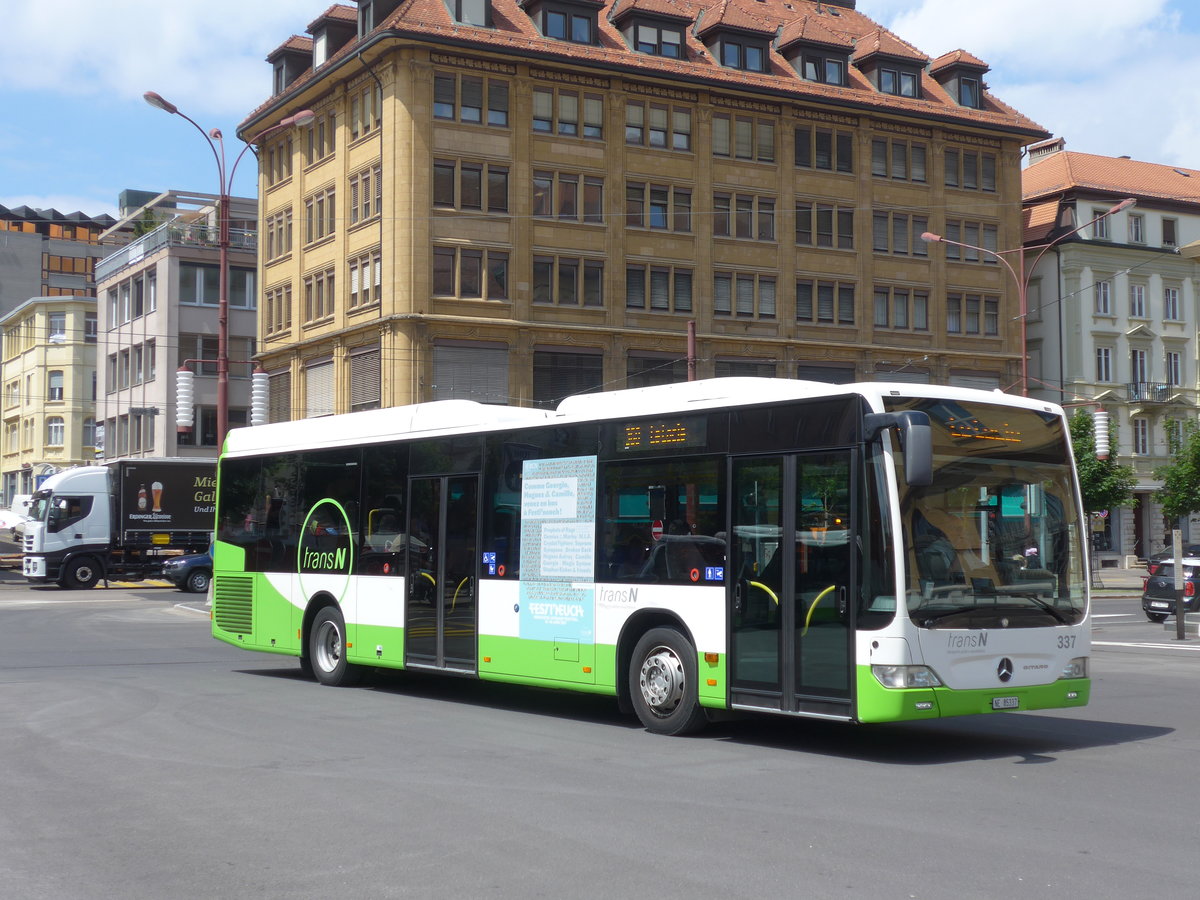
[[810, 29], [295, 42], [1068, 170], [514, 32], [957, 58], [346, 15], [671, 9], [1038, 220]]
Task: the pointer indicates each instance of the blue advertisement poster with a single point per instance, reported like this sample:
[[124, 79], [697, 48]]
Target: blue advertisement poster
[[558, 549]]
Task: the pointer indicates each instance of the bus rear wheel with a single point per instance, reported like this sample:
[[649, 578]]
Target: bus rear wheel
[[663, 683], [327, 650]]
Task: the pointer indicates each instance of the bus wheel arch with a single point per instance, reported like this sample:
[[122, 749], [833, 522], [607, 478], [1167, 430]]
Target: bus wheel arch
[[659, 644], [323, 653]]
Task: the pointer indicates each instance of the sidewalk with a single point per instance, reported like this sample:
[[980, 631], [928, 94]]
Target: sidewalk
[[1118, 582]]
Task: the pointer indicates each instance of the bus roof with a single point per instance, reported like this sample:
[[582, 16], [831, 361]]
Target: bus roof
[[457, 416]]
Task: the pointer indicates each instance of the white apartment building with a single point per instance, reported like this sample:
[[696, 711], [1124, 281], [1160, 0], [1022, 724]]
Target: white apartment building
[[1113, 314]]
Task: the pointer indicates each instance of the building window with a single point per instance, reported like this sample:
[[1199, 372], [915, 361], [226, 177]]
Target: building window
[[1104, 364], [461, 184], [151, 358], [279, 404], [744, 216], [558, 112], [1168, 232], [279, 234], [366, 194], [557, 375], [1137, 301], [973, 234], [278, 314], [318, 296], [652, 370], [668, 288], [823, 69], [568, 281], [56, 330], [901, 308], [824, 225], [470, 273], [743, 137], [969, 93], [366, 279], [365, 379], [201, 285], [658, 206], [1141, 437], [899, 82], [55, 431], [366, 108], [899, 234], [1174, 368], [565, 24], [824, 302], [750, 57], [568, 197], [89, 432], [1137, 229], [279, 160], [1103, 298], [744, 294], [824, 149], [54, 379], [320, 136], [657, 125], [1170, 304], [972, 314], [898, 159], [1100, 225], [1138, 367], [969, 170], [470, 100], [659, 40], [320, 215]]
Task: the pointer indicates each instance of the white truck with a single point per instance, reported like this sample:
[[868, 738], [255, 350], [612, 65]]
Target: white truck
[[123, 519]]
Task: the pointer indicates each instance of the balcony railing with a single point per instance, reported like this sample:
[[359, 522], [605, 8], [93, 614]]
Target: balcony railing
[[1148, 391], [173, 234]]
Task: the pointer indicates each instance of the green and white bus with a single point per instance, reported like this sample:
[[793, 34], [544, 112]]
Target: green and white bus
[[858, 552]]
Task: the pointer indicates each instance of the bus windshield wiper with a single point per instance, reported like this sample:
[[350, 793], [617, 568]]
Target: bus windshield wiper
[[1041, 604]]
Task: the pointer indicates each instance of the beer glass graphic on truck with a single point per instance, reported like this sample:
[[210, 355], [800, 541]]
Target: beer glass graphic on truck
[[156, 493]]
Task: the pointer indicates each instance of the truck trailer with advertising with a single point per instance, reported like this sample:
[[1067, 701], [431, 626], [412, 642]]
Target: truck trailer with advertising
[[122, 520]]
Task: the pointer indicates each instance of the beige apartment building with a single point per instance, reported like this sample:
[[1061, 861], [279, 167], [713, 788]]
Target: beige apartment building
[[516, 201], [49, 385]]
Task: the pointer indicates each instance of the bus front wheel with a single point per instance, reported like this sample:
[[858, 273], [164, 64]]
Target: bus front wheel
[[327, 649], [663, 683]]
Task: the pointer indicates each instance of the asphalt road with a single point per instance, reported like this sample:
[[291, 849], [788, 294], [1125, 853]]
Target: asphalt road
[[142, 759]]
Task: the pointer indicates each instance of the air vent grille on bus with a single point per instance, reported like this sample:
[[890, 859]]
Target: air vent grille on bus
[[233, 603]]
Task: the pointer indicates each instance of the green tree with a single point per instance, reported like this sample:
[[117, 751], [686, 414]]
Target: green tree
[[1104, 483], [1180, 493]]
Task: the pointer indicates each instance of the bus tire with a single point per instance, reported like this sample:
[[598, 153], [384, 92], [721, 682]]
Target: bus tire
[[663, 683], [327, 649], [81, 573]]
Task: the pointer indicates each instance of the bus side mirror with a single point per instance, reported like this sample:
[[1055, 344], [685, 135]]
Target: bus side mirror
[[916, 441]]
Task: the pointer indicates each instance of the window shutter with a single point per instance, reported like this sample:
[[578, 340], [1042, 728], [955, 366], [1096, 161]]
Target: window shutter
[[318, 382], [470, 373], [365, 378], [280, 404]]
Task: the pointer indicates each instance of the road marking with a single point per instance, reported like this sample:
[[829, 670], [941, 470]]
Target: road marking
[[1193, 647], [191, 608], [1112, 615]]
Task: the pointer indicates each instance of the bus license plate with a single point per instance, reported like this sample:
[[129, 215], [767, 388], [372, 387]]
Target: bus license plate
[[1006, 702]]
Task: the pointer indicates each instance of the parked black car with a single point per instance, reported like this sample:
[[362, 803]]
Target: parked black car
[[1162, 556], [1158, 591], [191, 573]]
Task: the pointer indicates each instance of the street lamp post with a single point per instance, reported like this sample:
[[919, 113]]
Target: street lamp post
[[1022, 277], [216, 143]]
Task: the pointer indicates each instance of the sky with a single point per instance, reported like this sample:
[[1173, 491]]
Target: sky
[[1112, 77]]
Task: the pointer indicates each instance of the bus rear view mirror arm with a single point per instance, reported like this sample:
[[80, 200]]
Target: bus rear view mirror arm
[[916, 441]]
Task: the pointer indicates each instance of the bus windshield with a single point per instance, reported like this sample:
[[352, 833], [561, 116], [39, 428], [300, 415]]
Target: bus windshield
[[995, 540]]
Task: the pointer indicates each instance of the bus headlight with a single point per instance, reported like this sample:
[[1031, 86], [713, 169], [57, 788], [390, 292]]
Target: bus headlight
[[1076, 668], [906, 676]]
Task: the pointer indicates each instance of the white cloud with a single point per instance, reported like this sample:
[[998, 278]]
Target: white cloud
[[1111, 76], [204, 55]]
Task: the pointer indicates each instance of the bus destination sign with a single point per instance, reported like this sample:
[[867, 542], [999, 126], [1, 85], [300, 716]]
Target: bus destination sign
[[664, 434]]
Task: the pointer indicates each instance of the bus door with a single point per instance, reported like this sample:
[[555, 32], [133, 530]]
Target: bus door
[[440, 609], [792, 564]]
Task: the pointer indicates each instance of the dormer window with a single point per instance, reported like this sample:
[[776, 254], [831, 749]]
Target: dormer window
[[824, 69], [659, 40], [470, 12], [563, 24], [968, 92], [739, 53], [320, 49], [898, 82]]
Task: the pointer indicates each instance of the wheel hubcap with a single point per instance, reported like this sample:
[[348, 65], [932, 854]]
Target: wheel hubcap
[[329, 646], [661, 680]]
